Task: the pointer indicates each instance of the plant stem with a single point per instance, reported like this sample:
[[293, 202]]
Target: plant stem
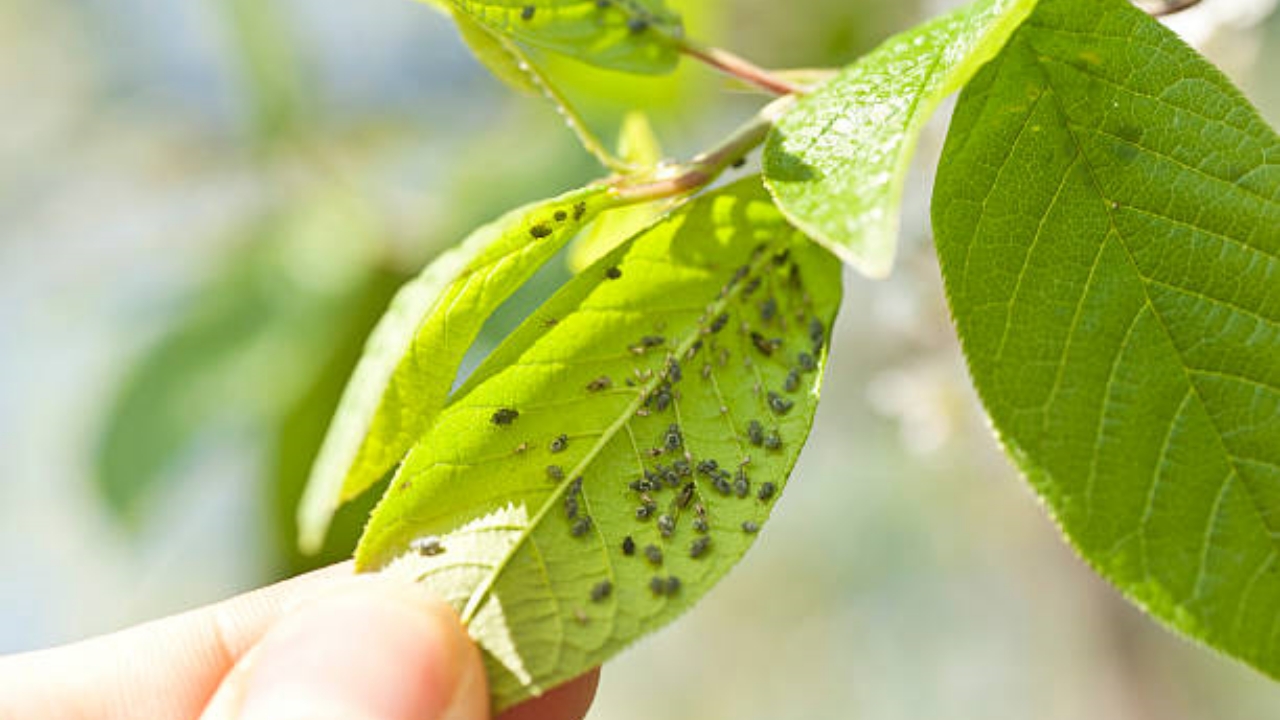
[[707, 166], [740, 68]]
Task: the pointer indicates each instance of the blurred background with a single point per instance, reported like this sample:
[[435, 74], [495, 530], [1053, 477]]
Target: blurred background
[[205, 205]]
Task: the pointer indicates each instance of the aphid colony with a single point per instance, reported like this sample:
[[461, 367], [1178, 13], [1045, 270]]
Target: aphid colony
[[688, 478]]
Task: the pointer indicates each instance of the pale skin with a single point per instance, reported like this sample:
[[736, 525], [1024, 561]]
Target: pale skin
[[328, 645]]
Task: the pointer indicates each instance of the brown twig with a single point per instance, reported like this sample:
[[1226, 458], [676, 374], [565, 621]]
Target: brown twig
[[740, 68]]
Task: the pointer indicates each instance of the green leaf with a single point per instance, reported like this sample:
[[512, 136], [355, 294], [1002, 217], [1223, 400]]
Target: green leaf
[[502, 57], [636, 36], [836, 162], [639, 148], [412, 356], [590, 385], [1108, 221]]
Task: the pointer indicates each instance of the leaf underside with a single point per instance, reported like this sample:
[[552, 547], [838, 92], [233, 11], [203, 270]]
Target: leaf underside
[[642, 369], [411, 358], [635, 36], [836, 162], [1107, 215]]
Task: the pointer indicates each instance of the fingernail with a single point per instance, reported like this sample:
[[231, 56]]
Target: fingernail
[[377, 651]]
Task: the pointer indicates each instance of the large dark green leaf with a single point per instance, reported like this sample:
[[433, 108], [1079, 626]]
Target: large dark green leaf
[[1108, 222], [689, 360]]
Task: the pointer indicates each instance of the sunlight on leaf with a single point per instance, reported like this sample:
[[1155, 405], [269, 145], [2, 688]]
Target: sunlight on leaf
[[411, 358], [620, 451], [836, 162]]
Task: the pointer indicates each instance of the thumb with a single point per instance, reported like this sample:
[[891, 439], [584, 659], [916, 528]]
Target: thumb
[[375, 649]]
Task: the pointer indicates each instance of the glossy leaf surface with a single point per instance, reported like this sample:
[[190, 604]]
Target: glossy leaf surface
[[836, 162]]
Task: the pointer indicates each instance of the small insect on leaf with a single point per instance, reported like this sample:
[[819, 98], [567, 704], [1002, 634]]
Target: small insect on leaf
[[504, 416]]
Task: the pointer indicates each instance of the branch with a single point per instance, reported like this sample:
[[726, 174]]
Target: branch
[[740, 68], [706, 167]]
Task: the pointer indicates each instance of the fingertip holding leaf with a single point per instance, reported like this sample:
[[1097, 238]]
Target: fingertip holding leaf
[[412, 356], [1107, 214], [835, 163], [545, 571]]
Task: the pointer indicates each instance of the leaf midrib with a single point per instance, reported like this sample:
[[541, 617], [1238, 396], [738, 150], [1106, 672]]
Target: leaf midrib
[[483, 593], [1254, 502]]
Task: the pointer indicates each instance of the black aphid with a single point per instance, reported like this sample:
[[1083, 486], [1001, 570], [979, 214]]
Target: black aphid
[[673, 439], [700, 524], [657, 585], [571, 506], [670, 476], [749, 526], [722, 485], [681, 468], [579, 209], [637, 25], [699, 547], [628, 546], [504, 416], [427, 546], [540, 230], [780, 258], [738, 274], [575, 487], [806, 362], [643, 485], [612, 272], [792, 383], [718, 324], [755, 433], [601, 383], [741, 484], [750, 287], [768, 309], [708, 467], [666, 525], [661, 398], [766, 491], [739, 162], [816, 333], [693, 350], [773, 441], [602, 590], [555, 472], [644, 512], [778, 404], [761, 343], [674, 372], [526, 13], [672, 585], [685, 496], [581, 526], [653, 553]]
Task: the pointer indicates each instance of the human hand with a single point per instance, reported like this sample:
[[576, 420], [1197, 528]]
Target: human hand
[[322, 646]]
